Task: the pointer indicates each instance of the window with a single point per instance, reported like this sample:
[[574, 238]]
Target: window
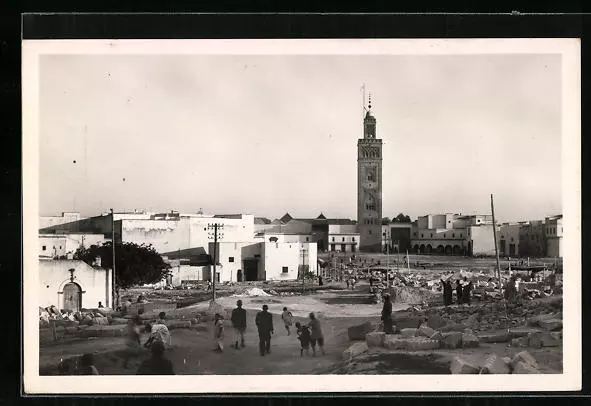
[[422, 236], [284, 269], [453, 235], [333, 238], [44, 248], [431, 235], [444, 235], [353, 239], [369, 232], [384, 234], [231, 259], [343, 238], [307, 238], [60, 247], [460, 235]]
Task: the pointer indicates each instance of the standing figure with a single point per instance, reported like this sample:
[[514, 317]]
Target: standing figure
[[264, 322], [449, 292], [347, 280], [158, 332], [303, 333], [287, 318], [218, 332], [387, 314], [444, 290], [100, 305], [466, 292], [209, 284], [239, 324], [316, 335], [459, 292]]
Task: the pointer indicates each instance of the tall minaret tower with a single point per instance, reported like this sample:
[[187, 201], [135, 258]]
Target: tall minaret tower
[[369, 185]]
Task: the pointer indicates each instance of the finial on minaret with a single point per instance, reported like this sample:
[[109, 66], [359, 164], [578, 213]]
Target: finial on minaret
[[369, 103]]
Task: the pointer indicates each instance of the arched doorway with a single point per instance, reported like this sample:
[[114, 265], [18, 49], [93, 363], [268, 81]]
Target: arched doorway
[[72, 297], [448, 249], [457, 250], [429, 249], [239, 275], [440, 249], [415, 248], [422, 248]]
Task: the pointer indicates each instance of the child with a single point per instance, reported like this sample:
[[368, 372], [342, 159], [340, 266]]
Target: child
[[218, 332], [287, 318], [303, 333]]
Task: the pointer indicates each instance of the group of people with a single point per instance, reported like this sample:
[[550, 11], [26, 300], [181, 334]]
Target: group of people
[[309, 334], [351, 282], [463, 289]]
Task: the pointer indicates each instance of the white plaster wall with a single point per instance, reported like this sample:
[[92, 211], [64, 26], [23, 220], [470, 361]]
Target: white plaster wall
[[53, 275], [276, 256]]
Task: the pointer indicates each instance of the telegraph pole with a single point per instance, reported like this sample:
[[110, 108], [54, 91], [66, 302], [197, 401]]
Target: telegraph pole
[[492, 206], [113, 282], [215, 227]]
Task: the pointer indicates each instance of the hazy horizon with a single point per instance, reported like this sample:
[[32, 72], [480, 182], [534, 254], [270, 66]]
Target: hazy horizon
[[267, 135]]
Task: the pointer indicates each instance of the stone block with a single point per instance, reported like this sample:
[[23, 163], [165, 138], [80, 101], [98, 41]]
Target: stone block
[[522, 331], [498, 337], [495, 365], [174, 324], [524, 357], [103, 331], [519, 342], [409, 332], [524, 368], [358, 332], [469, 341], [437, 336], [425, 331], [557, 335], [549, 340], [375, 339], [71, 330], [394, 342], [551, 324], [452, 327], [355, 350], [460, 366], [402, 322], [119, 320], [100, 321], [534, 339], [421, 344], [452, 340], [435, 321]]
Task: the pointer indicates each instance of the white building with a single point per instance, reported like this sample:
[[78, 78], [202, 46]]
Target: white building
[[65, 245], [73, 285], [66, 217], [554, 236], [343, 237]]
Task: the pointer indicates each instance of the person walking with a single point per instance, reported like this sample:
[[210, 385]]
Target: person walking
[[133, 346], [158, 364], [316, 335], [158, 332], [238, 319], [387, 314], [303, 333], [459, 292], [218, 332], [287, 318], [264, 322], [449, 292]]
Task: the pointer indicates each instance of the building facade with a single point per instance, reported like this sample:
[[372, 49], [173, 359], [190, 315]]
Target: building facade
[[343, 238], [369, 186], [554, 236], [73, 285], [396, 237]]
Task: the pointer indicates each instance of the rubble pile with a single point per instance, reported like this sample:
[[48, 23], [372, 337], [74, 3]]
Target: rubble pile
[[84, 317]]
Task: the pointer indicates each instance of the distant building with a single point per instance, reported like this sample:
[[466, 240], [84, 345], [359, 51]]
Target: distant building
[[265, 260], [508, 236], [396, 237], [554, 236], [64, 246], [73, 285], [66, 217], [343, 237], [532, 239]]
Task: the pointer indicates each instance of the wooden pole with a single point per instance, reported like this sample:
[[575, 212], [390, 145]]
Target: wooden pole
[[113, 282], [215, 255], [492, 206]]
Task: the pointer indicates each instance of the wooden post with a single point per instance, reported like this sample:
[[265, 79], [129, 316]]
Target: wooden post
[[113, 282], [492, 206], [215, 228]]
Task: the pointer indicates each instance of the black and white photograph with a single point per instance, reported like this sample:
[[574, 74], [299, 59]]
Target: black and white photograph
[[301, 215]]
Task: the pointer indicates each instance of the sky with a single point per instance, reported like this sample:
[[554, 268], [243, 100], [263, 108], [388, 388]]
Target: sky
[[267, 135]]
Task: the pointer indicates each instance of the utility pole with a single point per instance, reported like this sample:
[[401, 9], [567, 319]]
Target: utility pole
[[215, 227], [303, 269], [113, 282], [492, 207]]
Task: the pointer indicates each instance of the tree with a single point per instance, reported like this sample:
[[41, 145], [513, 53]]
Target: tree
[[135, 264], [401, 218], [386, 221]]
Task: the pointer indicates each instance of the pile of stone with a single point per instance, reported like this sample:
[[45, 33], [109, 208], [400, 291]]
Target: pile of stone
[[521, 363], [83, 317]]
